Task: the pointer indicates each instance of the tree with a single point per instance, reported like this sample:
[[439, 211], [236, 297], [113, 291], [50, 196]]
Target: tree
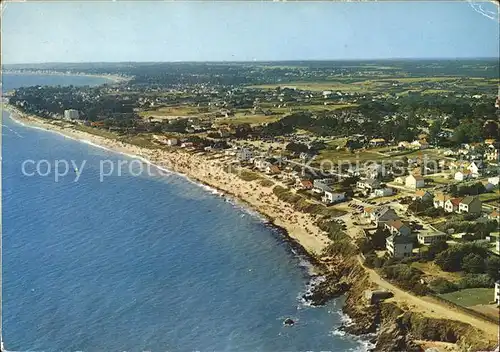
[[436, 248], [379, 237], [493, 267], [434, 131], [473, 263], [449, 260]]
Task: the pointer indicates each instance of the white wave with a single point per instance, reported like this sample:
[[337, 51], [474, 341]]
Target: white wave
[[363, 341], [313, 282]]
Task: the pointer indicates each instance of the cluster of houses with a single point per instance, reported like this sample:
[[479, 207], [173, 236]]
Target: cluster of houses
[[468, 204], [400, 243], [373, 188], [471, 170]]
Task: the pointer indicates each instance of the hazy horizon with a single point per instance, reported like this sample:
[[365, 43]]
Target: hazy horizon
[[254, 61], [113, 32]]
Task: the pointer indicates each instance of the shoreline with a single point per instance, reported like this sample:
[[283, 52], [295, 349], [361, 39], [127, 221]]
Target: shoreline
[[114, 79], [289, 232]]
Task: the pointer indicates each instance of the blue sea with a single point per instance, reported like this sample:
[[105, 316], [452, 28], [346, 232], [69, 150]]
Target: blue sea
[[141, 263]]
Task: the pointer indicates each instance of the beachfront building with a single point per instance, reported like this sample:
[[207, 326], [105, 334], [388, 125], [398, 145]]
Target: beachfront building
[[414, 181], [382, 215], [427, 239], [397, 227], [320, 186], [71, 114], [332, 197], [399, 246]]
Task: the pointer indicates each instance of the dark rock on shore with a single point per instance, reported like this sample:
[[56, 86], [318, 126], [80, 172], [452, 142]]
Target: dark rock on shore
[[324, 291]]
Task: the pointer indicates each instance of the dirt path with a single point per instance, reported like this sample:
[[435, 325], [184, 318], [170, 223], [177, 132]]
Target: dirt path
[[430, 307]]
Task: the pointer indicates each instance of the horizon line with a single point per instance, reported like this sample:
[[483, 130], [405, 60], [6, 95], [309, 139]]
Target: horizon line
[[260, 61]]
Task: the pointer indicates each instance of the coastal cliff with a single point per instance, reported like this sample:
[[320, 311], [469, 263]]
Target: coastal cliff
[[395, 327]]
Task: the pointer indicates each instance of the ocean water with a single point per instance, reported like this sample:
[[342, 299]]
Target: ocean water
[[142, 263]]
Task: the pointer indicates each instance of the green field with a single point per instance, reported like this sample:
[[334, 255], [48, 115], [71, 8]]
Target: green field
[[241, 118], [470, 297]]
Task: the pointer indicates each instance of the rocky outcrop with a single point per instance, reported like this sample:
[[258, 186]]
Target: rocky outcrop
[[396, 328], [333, 286], [393, 338]]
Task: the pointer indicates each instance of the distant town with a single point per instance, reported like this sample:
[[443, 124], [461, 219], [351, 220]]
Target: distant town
[[397, 161]]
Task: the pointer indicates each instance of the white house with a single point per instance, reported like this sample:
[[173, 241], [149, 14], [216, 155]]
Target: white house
[[452, 205], [414, 181], [470, 204], [370, 184], [475, 168], [399, 180], [463, 175], [420, 144], [383, 192], [493, 180], [331, 197], [430, 238], [71, 114], [440, 199], [397, 227], [399, 246]]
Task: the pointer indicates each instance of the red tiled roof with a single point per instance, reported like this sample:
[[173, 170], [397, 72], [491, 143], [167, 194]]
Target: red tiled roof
[[307, 183], [397, 224]]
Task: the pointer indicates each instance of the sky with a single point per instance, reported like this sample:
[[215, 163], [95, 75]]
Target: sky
[[36, 32]]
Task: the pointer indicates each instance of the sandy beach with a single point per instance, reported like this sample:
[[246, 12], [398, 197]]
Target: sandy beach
[[205, 169]]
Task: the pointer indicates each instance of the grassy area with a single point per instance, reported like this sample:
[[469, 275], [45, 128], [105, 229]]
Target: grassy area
[[320, 107], [441, 180], [246, 175], [333, 155], [266, 183], [172, 111], [432, 270], [241, 118], [470, 297], [321, 86], [490, 197]]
